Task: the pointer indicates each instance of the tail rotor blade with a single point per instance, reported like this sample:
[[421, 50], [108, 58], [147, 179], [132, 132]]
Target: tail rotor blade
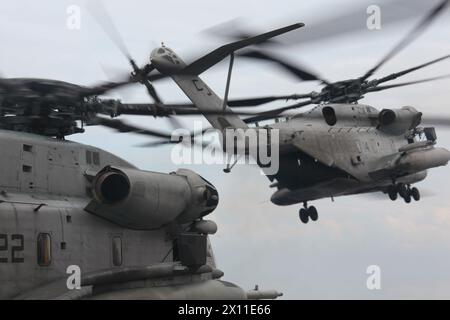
[[102, 17]]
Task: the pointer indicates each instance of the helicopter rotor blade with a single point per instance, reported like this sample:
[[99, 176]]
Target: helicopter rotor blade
[[103, 88], [152, 92], [351, 22], [191, 137], [156, 77], [299, 73], [404, 84], [123, 127], [101, 15], [98, 11], [172, 110], [275, 113], [250, 102], [410, 37], [407, 71]]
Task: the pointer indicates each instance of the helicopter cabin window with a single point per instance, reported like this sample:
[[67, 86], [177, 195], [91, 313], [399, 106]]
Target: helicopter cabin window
[[329, 115], [44, 249], [26, 168], [88, 157], [96, 158], [117, 251], [27, 148]]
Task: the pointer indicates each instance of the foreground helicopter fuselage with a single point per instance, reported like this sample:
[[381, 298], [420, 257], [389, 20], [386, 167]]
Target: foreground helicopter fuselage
[[132, 233]]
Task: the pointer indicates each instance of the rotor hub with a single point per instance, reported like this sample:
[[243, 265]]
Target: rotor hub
[[166, 61]]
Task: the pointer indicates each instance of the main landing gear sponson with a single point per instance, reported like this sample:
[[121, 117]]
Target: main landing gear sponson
[[404, 191], [307, 213]]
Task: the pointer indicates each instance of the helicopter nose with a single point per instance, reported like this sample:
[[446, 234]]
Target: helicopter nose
[[166, 61]]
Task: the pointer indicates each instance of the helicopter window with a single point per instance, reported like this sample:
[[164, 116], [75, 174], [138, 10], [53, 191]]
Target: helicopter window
[[27, 148], [88, 157], [161, 51], [96, 158], [117, 251], [26, 168], [329, 115], [44, 247]]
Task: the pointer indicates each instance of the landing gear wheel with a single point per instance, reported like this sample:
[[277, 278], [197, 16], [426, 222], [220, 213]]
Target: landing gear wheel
[[415, 194], [303, 214], [393, 194], [407, 197], [312, 213], [402, 190]]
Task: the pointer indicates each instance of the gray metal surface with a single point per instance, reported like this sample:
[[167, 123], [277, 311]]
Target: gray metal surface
[[45, 187]]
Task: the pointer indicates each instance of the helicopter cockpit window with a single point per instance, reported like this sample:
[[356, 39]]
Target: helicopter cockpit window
[[44, 249], [329, 115]]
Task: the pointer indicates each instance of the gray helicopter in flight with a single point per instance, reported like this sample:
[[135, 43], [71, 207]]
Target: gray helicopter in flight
[[338, 148]]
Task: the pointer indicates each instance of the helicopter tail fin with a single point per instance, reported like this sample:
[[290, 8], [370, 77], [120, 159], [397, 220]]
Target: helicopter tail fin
[[221, 117], [215, 109]]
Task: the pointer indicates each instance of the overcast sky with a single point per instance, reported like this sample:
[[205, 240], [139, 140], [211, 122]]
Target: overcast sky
[[258, 242]]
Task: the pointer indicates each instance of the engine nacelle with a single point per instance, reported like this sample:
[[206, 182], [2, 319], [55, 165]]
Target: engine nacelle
[[399, 121], [146, 200], [420, 160]]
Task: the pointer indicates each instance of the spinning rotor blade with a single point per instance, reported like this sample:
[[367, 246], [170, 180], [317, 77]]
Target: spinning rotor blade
[[352, 21], [123, 127], [298, 72], [204, 63], [191, 138], [398, 85], [407, 71], [272, 114], [171, 110], [156, 77], [410, 37], [250, 102], [152, 91], [102, 17], [103, 88]]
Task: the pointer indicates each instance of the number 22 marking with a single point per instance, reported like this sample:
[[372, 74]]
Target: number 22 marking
[[14, 248]]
